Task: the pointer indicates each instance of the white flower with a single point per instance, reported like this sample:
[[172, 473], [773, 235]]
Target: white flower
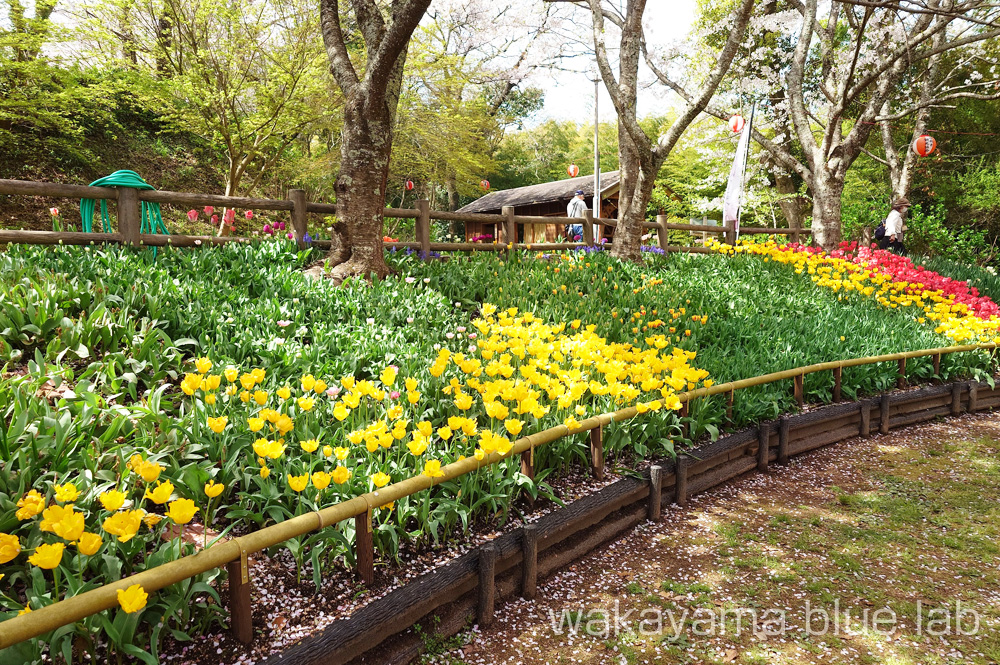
[[427, 280], [198, 243], [450, 335], [437, 347], [472, 348], [284, 324], [410, 280], [409, 319], [460, 329], [370, 321]]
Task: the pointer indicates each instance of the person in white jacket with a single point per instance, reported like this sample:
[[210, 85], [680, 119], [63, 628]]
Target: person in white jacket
[[893, 240], [576, 208]]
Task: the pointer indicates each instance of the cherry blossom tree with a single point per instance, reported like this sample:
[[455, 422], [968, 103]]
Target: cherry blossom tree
[[641, 157], [843, 68]]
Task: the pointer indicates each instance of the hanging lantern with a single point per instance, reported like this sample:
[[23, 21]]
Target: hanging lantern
[[924, 145], [736, 123], [484, 184], [409, 185], [572, 170]]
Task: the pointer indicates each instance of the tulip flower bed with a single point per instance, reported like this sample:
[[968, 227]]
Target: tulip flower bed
[[143, 398], [957, 310]]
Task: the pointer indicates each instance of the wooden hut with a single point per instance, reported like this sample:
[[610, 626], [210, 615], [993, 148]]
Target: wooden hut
[[545, 200]]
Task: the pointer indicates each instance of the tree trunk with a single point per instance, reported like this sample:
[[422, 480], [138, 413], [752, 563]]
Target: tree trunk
[[361, 190], [790, 201], [634, 193], [827, 191]]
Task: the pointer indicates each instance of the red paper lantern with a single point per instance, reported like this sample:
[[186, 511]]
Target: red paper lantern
[[484, 184], [409, 185], [572, 170], [924, 145], [736, 123]]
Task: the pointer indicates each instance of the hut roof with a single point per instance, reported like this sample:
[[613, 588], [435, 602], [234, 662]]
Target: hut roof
[[547, 192]]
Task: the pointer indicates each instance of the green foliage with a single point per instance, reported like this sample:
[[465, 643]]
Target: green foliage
[[927, 234]]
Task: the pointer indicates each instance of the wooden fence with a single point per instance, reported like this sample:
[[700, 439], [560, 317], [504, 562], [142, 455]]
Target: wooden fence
[[129, 200], [233, 554]]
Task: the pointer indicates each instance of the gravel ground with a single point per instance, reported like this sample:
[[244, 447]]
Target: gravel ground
[[906, 523]]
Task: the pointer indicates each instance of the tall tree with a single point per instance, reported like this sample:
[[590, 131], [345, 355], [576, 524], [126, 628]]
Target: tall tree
[[640, 156], [844, 64], [370, 102]]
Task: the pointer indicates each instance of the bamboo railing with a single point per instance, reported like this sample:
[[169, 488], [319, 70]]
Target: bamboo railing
[[233, 553], [300, 209]]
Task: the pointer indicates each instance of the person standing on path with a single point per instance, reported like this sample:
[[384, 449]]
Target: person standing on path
[[893, 240], [576, 208]]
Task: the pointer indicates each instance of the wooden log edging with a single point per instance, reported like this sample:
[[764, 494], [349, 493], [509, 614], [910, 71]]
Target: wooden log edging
[[565, 535]]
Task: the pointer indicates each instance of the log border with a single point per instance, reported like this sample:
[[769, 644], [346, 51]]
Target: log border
[[382, 630]]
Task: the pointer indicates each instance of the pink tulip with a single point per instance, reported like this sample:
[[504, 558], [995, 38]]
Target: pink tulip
[[209, 210], [215, 219], [281, 226], [230, 215], [54, 212], [394, 394], [248, 214], [192, 215], [267, 229], [291, 237]]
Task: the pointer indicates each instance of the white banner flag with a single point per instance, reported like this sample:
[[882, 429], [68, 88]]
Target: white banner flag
[[734, 189]]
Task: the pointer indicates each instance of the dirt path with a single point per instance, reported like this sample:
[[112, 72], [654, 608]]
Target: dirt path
[[894, 531]]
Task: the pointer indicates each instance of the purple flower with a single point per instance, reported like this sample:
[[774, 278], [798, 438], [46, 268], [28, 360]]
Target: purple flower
[[307, 238]]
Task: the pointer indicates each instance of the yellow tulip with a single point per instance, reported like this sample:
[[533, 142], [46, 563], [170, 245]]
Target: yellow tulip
[[89, 544], [181, 510], [30, 505], [306, 403], [161, 494], [231, 374], [298, 483], [432, 469], [388, 375], [320, 480], [264, 472], [308, 382], [513, 426], [47, 556], [132, 599], [309, 446], [380, 479], [328, 450], [124, 524], [255, 424], [425, 428], [417, 446], [10, 547], [444, 432], [260, 397], [218, 424], [284, 392], [320, 386], [341, 475], [213, 489], [66, 493]]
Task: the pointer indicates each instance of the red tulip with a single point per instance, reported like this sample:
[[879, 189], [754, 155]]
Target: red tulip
[[209, 210], [215, 219], [248, 214], [192, 215], [230, 215]]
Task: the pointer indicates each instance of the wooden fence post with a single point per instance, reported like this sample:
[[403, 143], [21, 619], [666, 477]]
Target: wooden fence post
[[973, 397], [510, 226], [364, 548], [240, 617], [685, 409], [529, 566], [883, 415], [729, 232], [597, 452], [799, 390], [866, 418], [300, 218], [655, 492], [901, 378], [837, 373], [423, 224], [783, 440], [588, 228], [129, 215], [763, 446], [662, 233], [487, 584], [528, 469], [729, 406], [956, 398], [681, 481], [937, 365]]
